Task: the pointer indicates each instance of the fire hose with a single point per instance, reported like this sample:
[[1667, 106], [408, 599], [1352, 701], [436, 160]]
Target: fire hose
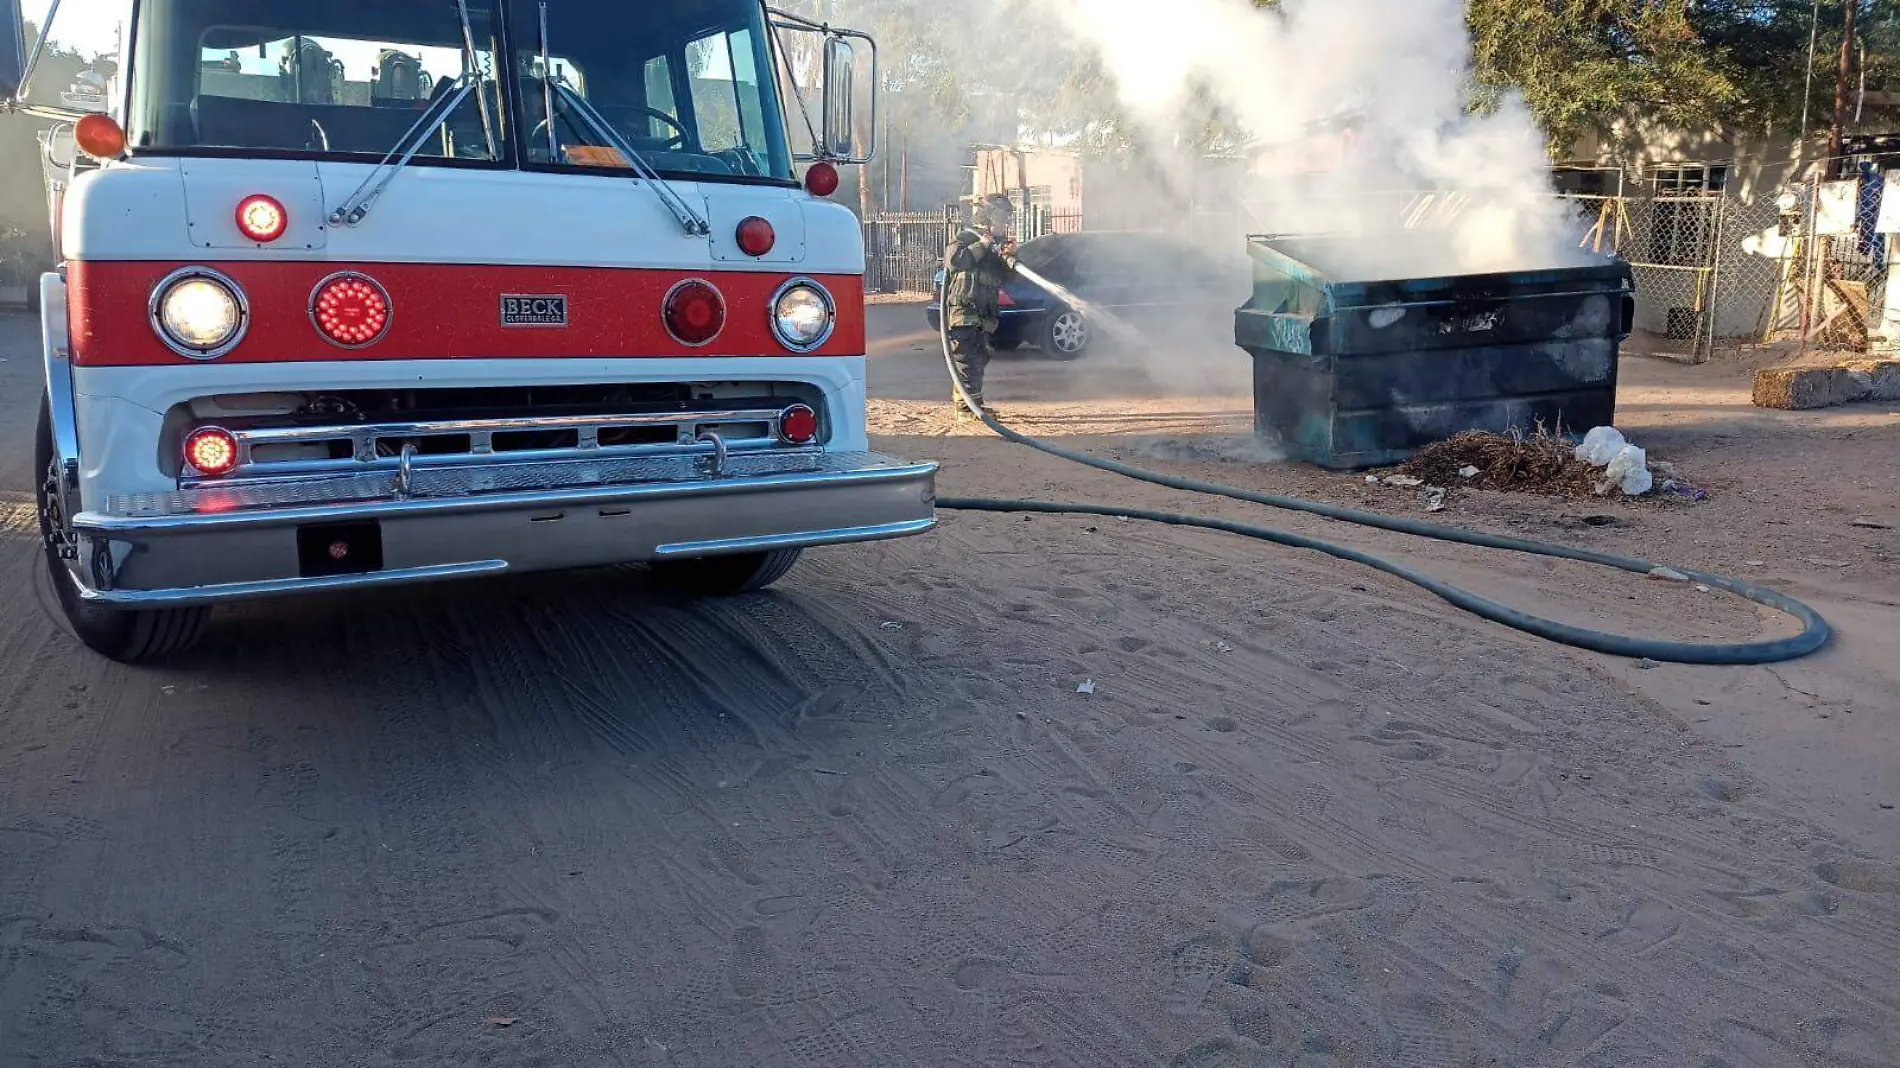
[[1814, 629]]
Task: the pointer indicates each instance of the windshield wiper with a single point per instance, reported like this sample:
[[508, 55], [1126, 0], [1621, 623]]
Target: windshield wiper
[[689, 219], [474, 68], [351, 211]]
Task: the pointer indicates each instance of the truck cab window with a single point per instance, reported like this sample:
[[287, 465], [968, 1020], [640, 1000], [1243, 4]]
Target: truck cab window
[[679, 84], [321, 79]]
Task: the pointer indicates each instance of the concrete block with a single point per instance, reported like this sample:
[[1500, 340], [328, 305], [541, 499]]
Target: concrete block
[[1803, 388]]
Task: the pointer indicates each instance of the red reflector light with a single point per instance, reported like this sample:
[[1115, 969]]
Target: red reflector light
[[821, 179], [755, 236], [212, 451], [1004, 300], [798, 425], [98, 136], [262, 218], [694, 312], [350, 310]]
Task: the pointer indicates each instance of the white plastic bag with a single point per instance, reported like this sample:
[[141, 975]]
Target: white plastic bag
[[1600, 446], [1629, 469]]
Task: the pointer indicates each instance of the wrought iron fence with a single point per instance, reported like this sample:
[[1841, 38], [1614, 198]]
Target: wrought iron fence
[[902, 251]]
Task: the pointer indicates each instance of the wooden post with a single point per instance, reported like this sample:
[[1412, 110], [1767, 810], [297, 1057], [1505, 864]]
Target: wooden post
[[1836, 166]]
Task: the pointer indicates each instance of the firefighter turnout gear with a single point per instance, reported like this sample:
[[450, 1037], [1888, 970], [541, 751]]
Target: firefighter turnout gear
[[976, 264]]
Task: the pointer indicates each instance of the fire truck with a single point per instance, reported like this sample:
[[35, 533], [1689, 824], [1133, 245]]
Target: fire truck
[[364, 293]]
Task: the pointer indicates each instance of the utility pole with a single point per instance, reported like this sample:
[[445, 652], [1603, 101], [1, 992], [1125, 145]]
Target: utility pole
[[1836, 166]]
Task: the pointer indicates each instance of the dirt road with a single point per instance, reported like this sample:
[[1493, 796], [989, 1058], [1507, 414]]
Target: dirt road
[[1307, 817]]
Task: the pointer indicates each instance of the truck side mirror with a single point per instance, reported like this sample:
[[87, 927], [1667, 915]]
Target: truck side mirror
[[12, 50], [840, 87], [849, 136]]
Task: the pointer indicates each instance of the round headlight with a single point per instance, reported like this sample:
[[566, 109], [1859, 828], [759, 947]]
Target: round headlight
[[802, 315], [199, 313]]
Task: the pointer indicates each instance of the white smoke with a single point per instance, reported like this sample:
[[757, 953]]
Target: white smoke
[[1402, 68]]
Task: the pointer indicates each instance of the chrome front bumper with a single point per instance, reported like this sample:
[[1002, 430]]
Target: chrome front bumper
[[219, 542]]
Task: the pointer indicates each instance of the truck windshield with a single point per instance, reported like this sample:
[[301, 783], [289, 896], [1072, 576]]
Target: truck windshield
[[685, 83], [343, 78]]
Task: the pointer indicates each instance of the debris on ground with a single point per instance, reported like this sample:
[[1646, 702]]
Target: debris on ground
[[1434, 499], [1543, 463], [1087, 686], [1537, 463]]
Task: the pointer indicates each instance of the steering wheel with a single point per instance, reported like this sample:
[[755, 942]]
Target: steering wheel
[[671, 144]]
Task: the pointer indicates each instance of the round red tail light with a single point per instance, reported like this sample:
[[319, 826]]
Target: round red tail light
[[798, 425], [694, 312], [350, 310], [262, 218], [755, 236], [211, 451], [821, 179]]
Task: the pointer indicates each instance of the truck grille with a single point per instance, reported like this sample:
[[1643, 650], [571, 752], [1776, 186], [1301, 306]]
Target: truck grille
[[290, 452]]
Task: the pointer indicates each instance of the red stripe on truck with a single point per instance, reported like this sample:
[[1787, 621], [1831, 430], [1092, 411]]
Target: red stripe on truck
[[445, 311]]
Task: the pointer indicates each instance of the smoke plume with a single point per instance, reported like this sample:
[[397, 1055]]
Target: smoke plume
[[1401, 69]]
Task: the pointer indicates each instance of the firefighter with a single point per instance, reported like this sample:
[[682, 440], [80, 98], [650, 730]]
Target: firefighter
[[977, 263]]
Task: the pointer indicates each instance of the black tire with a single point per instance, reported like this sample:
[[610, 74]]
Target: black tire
[[124, 635], [1065, 334], [723, 576]]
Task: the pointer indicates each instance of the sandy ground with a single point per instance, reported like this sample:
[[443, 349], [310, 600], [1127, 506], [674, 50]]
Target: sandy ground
[[1309, 816]]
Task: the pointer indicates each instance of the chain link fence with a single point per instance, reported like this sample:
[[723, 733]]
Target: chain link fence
[[1795, 267]]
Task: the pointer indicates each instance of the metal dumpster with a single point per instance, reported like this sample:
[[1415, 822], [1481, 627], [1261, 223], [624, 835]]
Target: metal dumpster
[[1351, 372]]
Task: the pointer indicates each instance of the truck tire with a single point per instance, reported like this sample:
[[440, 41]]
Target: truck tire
[[125, 635], [723, 576]]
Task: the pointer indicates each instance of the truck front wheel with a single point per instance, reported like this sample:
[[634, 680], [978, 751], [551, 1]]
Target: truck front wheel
[[722, 576], [119, 634]]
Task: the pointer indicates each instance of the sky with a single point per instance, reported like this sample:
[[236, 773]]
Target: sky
[[90, 26]]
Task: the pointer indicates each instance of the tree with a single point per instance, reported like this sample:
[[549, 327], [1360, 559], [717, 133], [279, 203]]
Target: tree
[[1584, 64]]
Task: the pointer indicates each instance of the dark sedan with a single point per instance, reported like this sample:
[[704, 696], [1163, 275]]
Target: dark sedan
[[1156, 284]]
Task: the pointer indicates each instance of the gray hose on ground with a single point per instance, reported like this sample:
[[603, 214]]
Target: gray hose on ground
[[1814, 629]]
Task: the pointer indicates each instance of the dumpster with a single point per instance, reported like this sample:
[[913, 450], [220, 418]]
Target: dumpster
[[1353, 372]]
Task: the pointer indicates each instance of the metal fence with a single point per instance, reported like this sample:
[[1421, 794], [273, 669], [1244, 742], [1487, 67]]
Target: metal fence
[[1796, 266], [904, 250]]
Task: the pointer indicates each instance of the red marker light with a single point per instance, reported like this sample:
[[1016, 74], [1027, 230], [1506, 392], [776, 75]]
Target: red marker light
[[798, 425], [1004, 300], [98, 136], [350, 310], [262, 218], [212, 451], [694, 312], [755, 236], [821, 179]]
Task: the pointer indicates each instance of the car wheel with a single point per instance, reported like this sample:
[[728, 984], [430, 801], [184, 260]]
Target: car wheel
[[126, 635], [1066, 334], [723, 576]]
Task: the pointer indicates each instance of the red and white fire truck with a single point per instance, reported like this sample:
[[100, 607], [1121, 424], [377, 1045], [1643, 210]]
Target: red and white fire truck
[[361, 293]]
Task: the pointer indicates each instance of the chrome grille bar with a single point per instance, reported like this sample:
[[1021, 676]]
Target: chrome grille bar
[[362, 441]]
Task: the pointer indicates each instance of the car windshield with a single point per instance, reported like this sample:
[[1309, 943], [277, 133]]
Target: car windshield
[[685, 84], [345, 78]]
